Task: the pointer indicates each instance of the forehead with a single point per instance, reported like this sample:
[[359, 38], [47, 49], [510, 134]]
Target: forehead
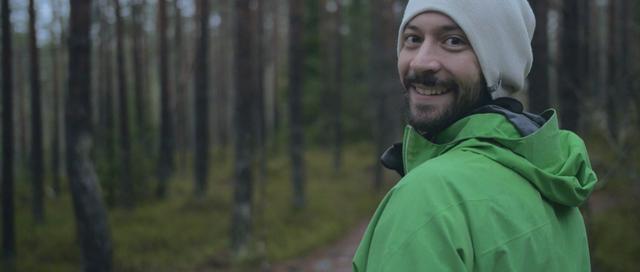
[[432, 20]]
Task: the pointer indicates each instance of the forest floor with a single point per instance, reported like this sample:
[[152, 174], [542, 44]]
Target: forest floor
[[335, 257]]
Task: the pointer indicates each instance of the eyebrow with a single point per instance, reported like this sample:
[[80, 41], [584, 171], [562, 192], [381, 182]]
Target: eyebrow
[[444, 28]]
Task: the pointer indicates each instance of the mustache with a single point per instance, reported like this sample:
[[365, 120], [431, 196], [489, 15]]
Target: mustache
[[428, 80]]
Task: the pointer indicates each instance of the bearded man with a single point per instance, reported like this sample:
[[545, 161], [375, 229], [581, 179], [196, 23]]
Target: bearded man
[[486, 186]]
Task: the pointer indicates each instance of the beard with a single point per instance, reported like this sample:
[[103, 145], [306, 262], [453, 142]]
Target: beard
[[430, 119]]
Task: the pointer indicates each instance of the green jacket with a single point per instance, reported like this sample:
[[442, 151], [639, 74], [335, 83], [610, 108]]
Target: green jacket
[[481, 197]]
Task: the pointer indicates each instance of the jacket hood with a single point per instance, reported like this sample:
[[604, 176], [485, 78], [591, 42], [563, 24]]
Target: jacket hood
[[555, 161]]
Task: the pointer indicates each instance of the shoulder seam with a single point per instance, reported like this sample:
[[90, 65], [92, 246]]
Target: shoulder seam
[[521, 235], [389, 254]]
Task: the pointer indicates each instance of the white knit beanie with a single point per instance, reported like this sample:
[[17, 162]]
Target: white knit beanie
[[500, 32]]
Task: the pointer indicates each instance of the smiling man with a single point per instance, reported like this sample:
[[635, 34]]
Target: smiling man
[[486, 186]]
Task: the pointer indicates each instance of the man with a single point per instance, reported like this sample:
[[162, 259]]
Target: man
[[486, 186]]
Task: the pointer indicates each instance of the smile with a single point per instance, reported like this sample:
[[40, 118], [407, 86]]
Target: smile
[[429, 91]]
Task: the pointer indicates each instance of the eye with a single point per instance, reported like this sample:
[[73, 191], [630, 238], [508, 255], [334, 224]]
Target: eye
[[412, 40], [455, 42]]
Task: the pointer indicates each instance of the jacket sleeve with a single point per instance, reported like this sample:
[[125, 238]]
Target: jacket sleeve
[[442, 243]]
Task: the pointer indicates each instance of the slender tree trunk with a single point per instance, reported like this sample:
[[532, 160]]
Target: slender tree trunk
[[55, 141], [382, 70], [106, 103], [296, 144], [137, 49], [616, 69], [222, 68], [201, 113], [570, 79], [56, 52], [91, 215], [125, 147], [179, 116], [245, 79], [37, 156], [165, 164], [633, 30], [337, 98], [21, 122], [539, 95], [269, 9], [8, 210], [259, 108]]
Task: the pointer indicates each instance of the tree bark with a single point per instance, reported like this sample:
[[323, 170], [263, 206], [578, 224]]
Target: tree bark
[[165, 163], [539, 95], [57, 55], [569, 72], [37, 156], [201, 114], [245, 82], [8, 208], [21, 122], [138, 65], [180, 117], [382, 71], [331, 39], [106, 120], [90, 213], [616, 69], [337, 98], [223, 88], [55, 94], [125, 146], [296, 141], [259, 108]]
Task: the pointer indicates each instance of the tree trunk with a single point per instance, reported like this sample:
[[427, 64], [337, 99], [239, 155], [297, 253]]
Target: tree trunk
[[539, 95], [165, 163], [382, 71], [201, 114], [259, 108], [138, 66], [296, 59], [8, 210], [57, 55], [245, 80], [91, 215], [55, 141], [37, 156], [337, 90], [615, 54], [270, 11], [106, 120], [180, 112], [21, 122], [569, 72], [223, 69], [125, 147]]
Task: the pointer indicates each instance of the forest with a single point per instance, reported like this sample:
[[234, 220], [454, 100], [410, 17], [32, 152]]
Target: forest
[[245, 135]]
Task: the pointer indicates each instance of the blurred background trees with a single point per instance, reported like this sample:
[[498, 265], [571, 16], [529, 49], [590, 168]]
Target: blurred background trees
[[225, 132]]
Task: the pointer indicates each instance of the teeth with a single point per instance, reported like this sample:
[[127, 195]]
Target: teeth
[[424, 91]]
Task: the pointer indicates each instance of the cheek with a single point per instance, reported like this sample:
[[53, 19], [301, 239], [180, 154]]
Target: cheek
[[466, 68], [403, 65]]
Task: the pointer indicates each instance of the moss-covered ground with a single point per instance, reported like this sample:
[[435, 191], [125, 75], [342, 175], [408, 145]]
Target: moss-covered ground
[[183, 233], [613, 211]]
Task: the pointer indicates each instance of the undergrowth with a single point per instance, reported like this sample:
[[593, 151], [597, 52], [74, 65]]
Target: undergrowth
[[613, 207], [183, 233]]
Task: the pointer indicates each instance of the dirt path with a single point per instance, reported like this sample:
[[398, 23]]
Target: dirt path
[[335, 258]]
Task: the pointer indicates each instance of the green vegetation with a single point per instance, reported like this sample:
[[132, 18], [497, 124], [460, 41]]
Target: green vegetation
[[186, 234], [613, 207]]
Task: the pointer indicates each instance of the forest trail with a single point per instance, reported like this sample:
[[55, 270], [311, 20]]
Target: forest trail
[[335, 257]]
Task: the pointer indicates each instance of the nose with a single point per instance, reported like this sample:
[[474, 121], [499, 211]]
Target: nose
[[426, 59]]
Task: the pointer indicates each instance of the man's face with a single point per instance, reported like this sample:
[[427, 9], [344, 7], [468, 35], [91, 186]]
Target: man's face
[[440, 72]]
